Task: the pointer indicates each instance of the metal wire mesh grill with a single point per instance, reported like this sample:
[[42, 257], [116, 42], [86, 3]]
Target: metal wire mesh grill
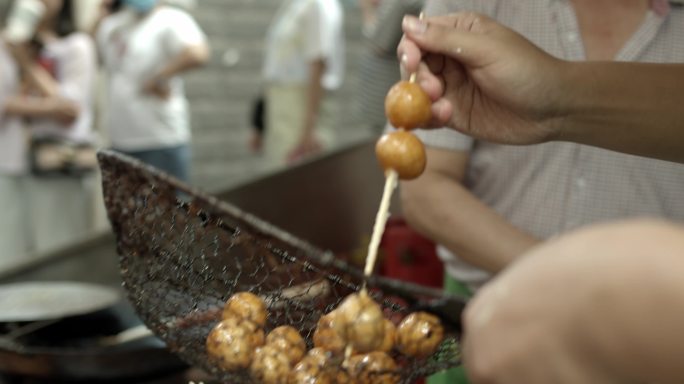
[[183, 254]]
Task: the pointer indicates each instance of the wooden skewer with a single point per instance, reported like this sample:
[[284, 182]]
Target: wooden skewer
[[391, 181], [412, 78]]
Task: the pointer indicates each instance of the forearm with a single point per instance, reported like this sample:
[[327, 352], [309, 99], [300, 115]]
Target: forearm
[[28, 107], [189, 58], [314, 94], [627, 107], [443, 210], [37, 77]]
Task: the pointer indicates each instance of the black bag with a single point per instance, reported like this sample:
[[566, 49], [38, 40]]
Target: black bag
[[258, 114]]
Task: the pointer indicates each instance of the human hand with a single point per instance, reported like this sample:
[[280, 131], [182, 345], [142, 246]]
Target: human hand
[[485, 80], [308, 145], [157, 88], [583, 309], [64, 111], [256, 142]]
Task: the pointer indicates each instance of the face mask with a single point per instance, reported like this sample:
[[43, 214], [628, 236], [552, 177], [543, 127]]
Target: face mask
[[141, 6]]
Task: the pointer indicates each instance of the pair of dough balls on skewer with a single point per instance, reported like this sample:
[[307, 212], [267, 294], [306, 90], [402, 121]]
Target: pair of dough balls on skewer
[[407, 107]]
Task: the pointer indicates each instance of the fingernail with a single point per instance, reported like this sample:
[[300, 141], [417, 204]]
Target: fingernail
[[404, 59], [414, 25]]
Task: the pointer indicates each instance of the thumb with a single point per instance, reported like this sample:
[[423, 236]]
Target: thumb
[[461, 35]]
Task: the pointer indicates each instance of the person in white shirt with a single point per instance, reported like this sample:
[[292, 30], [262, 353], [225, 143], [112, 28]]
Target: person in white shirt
[[145, 47], [37, 214], [304, 63]]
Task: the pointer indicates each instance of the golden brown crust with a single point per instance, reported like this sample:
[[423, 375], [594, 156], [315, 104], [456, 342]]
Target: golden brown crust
[[363, 322], [231, 344], [373, 368], [407, 106], [329, 333], [270, 366], [402, 152], [419, 335], [248, 306], [286, 339]]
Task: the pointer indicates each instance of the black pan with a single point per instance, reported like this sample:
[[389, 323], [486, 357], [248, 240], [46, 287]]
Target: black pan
[[71, 339]]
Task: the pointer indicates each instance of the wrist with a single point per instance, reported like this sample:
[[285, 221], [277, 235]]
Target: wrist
[[562, 107]]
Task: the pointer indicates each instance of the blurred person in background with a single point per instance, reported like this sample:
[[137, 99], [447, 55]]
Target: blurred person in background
[[69, 58], [145, 48], [37, 213], [304, 64], [379, 67], [486, 203]]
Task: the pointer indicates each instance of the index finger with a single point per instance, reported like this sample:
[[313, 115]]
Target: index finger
[[409, 55]]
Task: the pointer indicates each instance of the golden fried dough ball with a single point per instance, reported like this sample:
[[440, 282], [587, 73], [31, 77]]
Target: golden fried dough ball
[[364, 327], [407, 106], [373, 368], [288, 340], [419, 335], [232, 342], [329, 333], [309, 371], [402, 152], [270, 365], [248, 306], [390, 337]]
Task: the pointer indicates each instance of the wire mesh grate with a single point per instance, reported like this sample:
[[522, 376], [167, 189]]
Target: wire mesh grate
[[183, 254]]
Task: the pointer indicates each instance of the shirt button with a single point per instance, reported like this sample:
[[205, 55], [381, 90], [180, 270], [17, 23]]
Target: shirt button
[[581, 183], [572, 37]]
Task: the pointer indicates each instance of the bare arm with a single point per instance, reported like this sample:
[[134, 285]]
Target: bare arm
[[59, 109], [191, 57], [505, 89], [601, 305], [314, 95], [308, 141], [437, 205], [627, 107], [39, 79]]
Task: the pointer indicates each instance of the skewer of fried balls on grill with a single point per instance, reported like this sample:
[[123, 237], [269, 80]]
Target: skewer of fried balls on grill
[[352, 344]]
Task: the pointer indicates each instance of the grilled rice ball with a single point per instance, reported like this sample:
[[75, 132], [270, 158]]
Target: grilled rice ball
[[286, 339], [363, 322], [419, 335], [329, 333], [373, 368], [407, 106], [231, 344], [270, 365], [248, 306]]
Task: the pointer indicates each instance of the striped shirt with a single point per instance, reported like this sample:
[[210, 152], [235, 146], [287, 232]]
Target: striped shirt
[[551, 188]]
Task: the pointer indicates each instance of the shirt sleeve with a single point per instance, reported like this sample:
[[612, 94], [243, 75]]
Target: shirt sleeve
[[183, 32], [320, 31], [77, 71]]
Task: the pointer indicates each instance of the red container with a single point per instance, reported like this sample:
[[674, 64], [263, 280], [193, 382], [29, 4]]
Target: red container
[[409, 256]]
